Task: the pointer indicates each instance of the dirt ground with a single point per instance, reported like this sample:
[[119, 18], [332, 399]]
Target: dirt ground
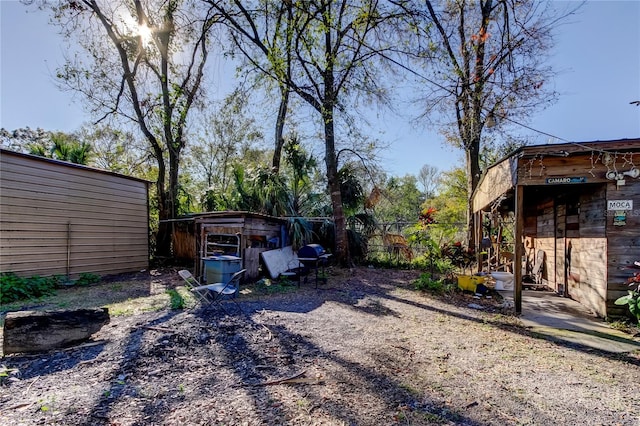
[[365, 348]]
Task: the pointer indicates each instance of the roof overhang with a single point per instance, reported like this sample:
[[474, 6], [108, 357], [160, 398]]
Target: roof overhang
[[502, 177], [496, 182]]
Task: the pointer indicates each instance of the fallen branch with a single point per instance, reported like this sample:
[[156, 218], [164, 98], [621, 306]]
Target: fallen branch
[[29, 387], [269, 331], [84, 345], [160, 329], [15, 407], [304, 380], [89, 361]]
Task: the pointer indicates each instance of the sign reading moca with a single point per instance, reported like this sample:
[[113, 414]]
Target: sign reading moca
[[619, 204]]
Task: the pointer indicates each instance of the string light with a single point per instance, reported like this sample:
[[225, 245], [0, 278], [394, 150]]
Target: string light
[[542, 166], [609, 159], [594, 162], [529, 172]]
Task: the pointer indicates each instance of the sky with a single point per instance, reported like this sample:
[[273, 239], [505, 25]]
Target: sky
[[597, 59]]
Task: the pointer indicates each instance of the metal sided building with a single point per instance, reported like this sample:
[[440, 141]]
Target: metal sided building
[[67, 219]]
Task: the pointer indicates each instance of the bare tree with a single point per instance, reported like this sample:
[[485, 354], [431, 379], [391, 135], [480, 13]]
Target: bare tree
[[142, 61], [264, 47], [226, 135], [487, 65], [428, 176], [322, 50]]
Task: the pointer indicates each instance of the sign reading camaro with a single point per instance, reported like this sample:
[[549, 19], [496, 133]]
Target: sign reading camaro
[[561, 180]]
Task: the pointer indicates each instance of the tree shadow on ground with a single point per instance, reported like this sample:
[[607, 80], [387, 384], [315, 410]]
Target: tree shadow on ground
[[209, 349], [363, 297], [284, 354]]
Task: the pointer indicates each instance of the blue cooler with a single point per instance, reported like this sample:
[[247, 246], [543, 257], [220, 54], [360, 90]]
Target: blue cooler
[[220, 269]]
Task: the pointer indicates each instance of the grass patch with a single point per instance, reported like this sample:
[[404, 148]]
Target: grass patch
[[176, 301], [125, 297], [132, 306], [426, 283], [626, 326], [267, 286]]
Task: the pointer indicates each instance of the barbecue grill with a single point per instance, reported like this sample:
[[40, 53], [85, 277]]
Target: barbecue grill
[[311, 251], [313, 256]]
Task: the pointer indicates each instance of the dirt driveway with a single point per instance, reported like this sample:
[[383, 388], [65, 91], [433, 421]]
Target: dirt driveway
[[363, 349]]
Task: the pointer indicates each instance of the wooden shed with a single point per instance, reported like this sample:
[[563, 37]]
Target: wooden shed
[[578, 203], [241, 234], [67, 219]]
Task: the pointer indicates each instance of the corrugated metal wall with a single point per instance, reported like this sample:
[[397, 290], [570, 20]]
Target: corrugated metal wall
[[57, 218]]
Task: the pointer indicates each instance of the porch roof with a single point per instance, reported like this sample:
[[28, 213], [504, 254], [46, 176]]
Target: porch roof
[[502, 177]]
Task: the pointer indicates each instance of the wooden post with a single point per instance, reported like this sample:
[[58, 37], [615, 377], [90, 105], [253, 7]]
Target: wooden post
[[518, 249], [68, 250], [477, 224]]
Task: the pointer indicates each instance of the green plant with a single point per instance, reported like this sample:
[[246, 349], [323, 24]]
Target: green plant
[[177, 301], [385, 261], [435, 265], [300, 232], [59, 280], [267, 286], [6, 372], [87, 278], [13, 287], [459, 256], [46, 406], [284, 281], [426, 283], [632, 299]]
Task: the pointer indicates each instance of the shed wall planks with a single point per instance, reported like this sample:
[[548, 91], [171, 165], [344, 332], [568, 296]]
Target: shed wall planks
[[57, 218], [624, 243], [587, 276]]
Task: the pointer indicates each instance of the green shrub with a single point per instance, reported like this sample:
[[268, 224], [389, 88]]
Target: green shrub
[[426, 283], [633, 298], [433, 264], [58, 280], [13, 287], [384, 261], [87, 278]]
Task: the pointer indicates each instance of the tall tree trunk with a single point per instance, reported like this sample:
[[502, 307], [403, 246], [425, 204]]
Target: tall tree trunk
[[279, 140], [163, 235], [340, 222], [170, 208], [473, 177]]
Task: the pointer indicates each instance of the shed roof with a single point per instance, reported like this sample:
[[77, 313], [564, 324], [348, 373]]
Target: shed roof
[[4, 151], [228, 214]]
